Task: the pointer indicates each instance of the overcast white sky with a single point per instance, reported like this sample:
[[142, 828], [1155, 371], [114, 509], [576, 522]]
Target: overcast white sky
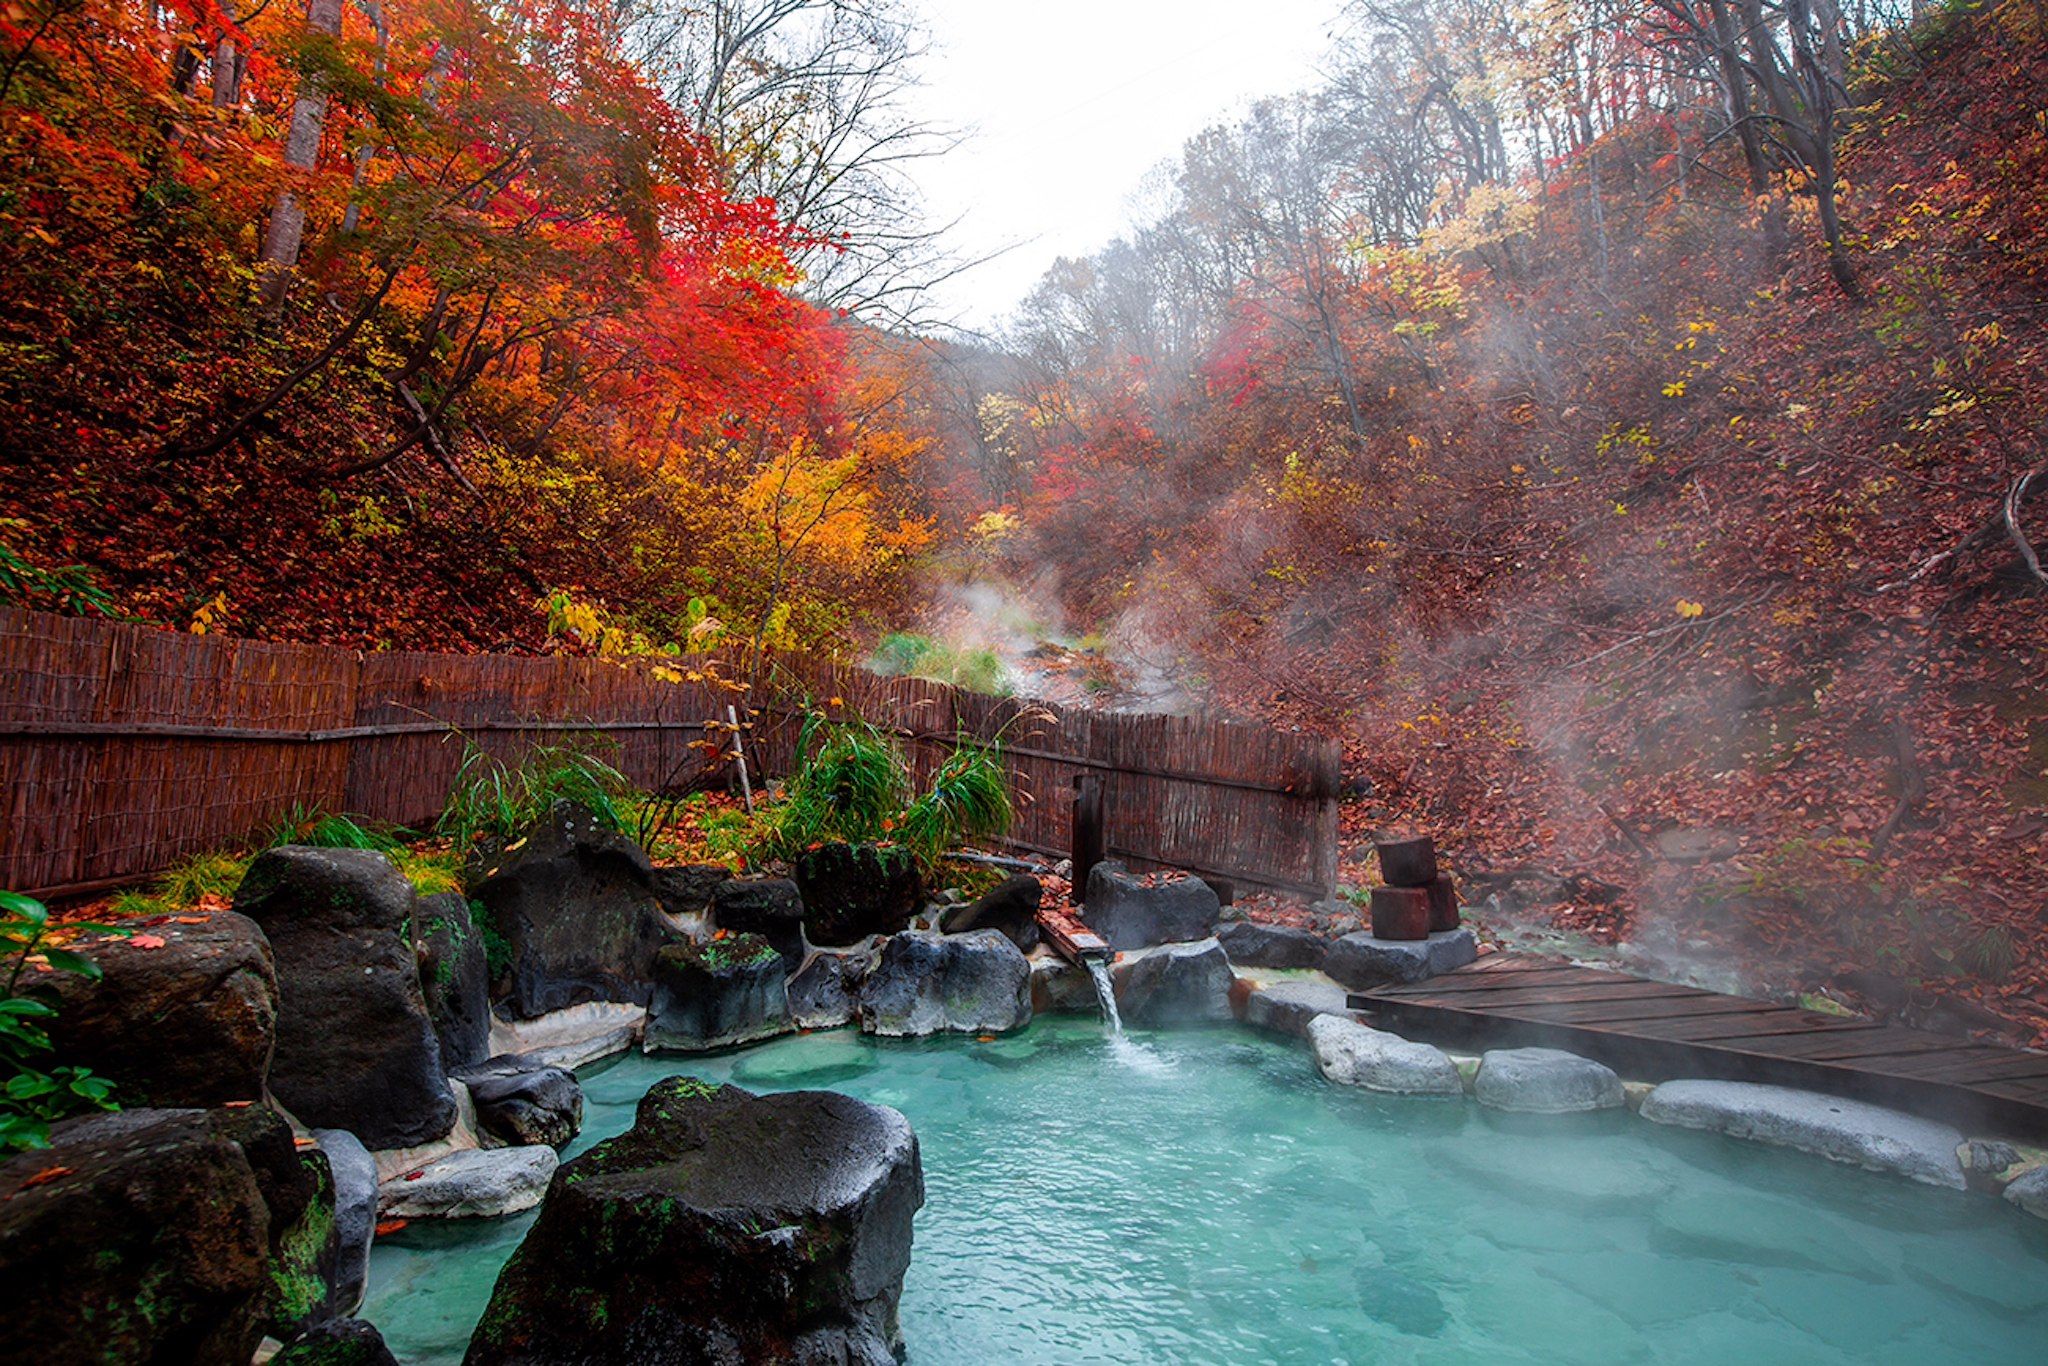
[[1074, 101]]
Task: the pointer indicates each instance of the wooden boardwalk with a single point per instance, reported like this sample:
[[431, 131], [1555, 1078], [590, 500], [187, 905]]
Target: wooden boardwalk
[[1657, 1031]]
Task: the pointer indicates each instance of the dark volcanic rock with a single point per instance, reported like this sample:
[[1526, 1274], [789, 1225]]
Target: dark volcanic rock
[[1010, 906], [1362, 961], [337, 1342], [767, 906], [728, 991], [1135, 911], [826, 992], [1176, 984], [575, 902], [687, 888], [524, 1103], [345, 1263], [925, 983], [851, 891], [1270, 946], [188, 1021], [159, 1236], [455, 979], [355, 1048], [722, 1228]]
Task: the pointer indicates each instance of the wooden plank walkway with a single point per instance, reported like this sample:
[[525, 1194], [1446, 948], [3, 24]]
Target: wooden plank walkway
[[1658, 1031]]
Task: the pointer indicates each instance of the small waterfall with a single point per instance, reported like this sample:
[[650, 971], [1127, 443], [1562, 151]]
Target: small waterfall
[[1105, 996]]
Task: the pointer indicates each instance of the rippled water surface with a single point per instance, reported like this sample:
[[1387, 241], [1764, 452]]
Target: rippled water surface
[[1206, 1197]]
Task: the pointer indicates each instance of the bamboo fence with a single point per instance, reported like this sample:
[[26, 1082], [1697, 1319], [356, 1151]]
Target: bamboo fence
[[123, 748]]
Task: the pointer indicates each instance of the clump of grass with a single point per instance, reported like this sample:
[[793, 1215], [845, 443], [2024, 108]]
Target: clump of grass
[[849, 784], [492, 797], [967, 799], [309, 826]]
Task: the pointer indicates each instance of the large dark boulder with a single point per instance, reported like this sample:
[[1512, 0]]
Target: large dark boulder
[[521, 1102], [574, 901], [712, 995], [1252, 945], [768, 906], [825, 992], [925, 983], [184, 1014], [159, 1236], [355, 1047], [337, 1342], [455, 979], [1010, 906], [1176, 984], [1137, 910], [723, 1227], [686, 889], [851, 891]]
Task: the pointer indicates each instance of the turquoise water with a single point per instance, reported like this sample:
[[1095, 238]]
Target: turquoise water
[[1205, 1196]]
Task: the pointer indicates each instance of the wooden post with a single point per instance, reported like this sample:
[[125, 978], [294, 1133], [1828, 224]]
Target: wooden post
[[739, 756]]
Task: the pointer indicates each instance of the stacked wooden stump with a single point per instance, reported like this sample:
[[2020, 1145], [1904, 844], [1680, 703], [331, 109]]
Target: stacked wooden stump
[[1416, 901]]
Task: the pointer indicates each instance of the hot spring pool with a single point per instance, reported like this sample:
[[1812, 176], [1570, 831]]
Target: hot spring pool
[[1205, 1196]]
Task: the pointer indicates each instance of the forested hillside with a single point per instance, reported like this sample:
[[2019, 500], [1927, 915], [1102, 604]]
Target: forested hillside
[[1615, 420], [1601, 466]]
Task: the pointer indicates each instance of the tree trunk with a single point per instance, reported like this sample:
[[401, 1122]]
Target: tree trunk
[[301, 151]]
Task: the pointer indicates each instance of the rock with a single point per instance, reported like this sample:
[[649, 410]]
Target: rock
[[925, 983], [1010, 906], [158, 1236], [337, 1342], [1137, 911], [455, 979], [572, 1037], [1287, 1007], [1850, 1131], [1362, 962], [470, 1183], [723, 1227], [1060, 986], [713, 995], [574, 901], [345, 1267], [2029, 1190], [1176, 984], [1545, 1081], [1401, 1303], [188, 1020], [1350, 1054], [1252, 945], [685, 890], [1757, 1230], [1579, 1175], [355, 1047], [766, 906], [825, 992], [851, 891], [522, 1102], [1986, 1161]]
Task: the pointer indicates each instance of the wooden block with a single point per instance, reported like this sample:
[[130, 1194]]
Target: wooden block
[[1400, 913]]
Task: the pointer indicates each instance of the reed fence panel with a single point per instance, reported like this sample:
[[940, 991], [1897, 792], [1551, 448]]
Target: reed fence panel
[[124, 748]]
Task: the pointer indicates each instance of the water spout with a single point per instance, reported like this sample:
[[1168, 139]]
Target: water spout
[[1105, 995]]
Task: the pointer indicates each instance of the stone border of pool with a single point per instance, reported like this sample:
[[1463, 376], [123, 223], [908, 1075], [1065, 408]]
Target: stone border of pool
[[1305, 1003]]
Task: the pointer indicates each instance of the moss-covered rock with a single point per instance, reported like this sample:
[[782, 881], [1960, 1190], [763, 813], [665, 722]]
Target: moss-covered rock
[[710, 995], [159, 1236], [723, 1227]]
